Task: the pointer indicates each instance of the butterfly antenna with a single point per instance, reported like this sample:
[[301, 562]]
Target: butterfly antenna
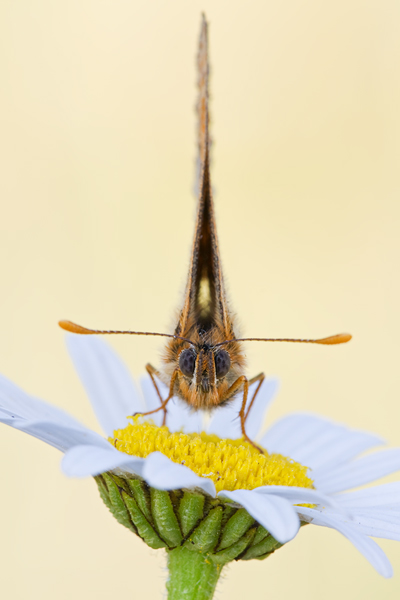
[[74, 328], [340, 338]]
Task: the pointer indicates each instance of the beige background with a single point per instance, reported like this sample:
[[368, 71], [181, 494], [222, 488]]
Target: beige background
[[97, 162]]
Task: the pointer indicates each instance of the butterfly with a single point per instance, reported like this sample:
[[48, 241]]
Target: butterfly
[[203, 362]]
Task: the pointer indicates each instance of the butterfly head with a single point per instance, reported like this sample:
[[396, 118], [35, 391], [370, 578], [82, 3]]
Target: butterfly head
[[205, 371], [204, 365]]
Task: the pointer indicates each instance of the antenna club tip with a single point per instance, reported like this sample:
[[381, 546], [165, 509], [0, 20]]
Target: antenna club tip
[[72, 327], [340, 338]]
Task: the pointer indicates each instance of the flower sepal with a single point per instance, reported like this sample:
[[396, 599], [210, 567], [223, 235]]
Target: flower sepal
[[216, 528]]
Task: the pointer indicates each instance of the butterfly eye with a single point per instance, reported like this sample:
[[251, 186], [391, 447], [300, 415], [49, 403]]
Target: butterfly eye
[[222, 363], [187, 362]]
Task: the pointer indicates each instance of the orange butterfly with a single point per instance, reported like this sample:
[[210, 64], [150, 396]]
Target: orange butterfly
[[203, 362]]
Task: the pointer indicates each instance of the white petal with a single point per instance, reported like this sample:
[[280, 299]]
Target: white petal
[[359, 472], [151, 398], [161, 473], [180, 417], [157, 470], [255, 420], [379, 495], [316, 442], [381, 524], [85, 461], [21, 425], [298, 495], [389, 514], [276, 514], [196, 422], [15, 403], [291, 432], [62, 437], [372, 552], [106, 379], [41, 420], [225, 421], [330, 455], [9, 418]]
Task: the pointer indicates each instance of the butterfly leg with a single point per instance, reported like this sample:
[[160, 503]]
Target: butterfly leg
[[260, 378], [243, 414], [152, 372], [243, 382]]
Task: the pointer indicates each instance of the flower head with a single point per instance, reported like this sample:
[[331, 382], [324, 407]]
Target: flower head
[[309, 464], [230, 464]]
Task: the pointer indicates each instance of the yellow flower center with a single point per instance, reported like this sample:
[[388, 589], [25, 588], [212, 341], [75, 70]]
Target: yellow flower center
[[231, 464]]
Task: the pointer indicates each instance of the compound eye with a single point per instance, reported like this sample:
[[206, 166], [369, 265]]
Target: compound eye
[[222, 363], [187, 362]]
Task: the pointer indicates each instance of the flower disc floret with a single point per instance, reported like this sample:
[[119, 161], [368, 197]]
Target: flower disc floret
[[230, 464]]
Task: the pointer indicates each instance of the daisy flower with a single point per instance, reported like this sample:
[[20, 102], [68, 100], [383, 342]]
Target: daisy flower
[[198, 490]]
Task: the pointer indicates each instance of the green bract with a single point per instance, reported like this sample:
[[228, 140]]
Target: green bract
[[200, 534]]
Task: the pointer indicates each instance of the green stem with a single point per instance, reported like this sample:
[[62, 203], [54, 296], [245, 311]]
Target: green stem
[[192, 575]]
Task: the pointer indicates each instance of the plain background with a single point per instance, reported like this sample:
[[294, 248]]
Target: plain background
[[97, 156]]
